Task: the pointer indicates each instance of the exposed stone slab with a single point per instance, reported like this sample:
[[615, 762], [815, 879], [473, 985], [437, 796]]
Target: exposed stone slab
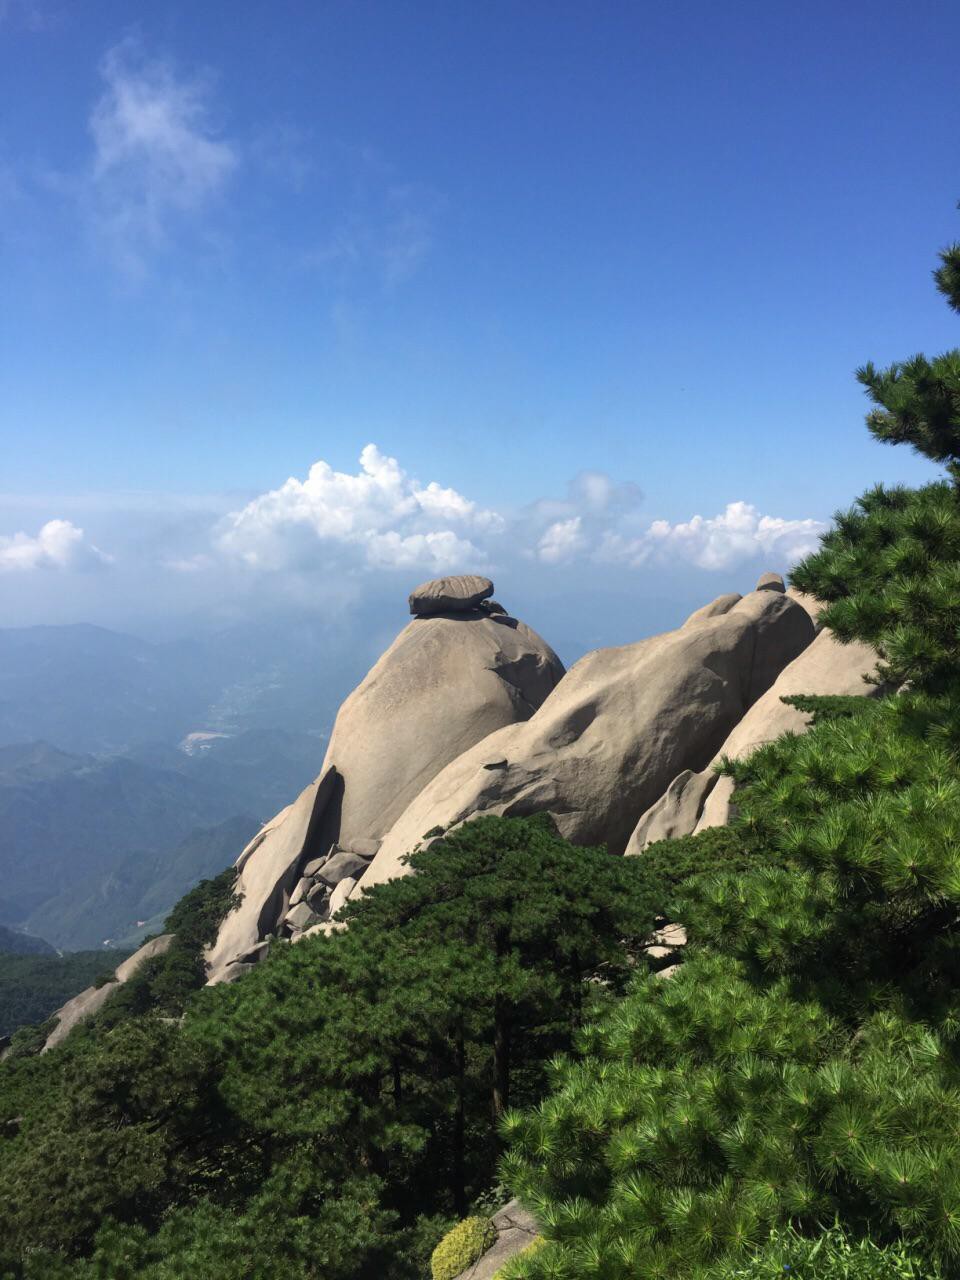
[[340, 894], [516, 1230], [90, 1001], [722, 604], [341, 866], [677, 811]]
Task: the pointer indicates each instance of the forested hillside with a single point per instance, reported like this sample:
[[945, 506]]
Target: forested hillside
[[520, 1016], [89, 845], [33, 986]]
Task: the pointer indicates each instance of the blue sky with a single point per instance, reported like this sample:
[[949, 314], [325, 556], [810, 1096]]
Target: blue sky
[[588, 270]]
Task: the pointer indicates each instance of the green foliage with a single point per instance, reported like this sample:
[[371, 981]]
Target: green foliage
[[513, 1268], [947, 275], [461, 1247], [918, 404], [803, 1062], [163, 983], [822, 707], [830, 1256], [333, 1111], [918, 400], [889, 570], [670, 865], [30, 1039], [33, 986], [112, 1137], [197, 915]]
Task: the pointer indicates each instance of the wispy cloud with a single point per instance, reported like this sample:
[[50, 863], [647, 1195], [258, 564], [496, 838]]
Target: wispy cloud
[[30, 15], [58, 545], [158, 158], [380, 226]]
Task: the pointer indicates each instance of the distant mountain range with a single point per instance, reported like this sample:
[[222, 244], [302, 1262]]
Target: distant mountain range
[[130, 769], [15, 943], [86, 689], [91, 845]]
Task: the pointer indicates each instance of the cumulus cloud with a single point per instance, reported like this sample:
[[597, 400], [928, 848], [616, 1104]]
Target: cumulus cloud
[[561, 540], [737, 534], [380, 517], [58, 545], [157, 157]]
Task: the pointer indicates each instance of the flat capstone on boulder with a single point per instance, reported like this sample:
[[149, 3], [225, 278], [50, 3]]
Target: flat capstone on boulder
[[459, 594]]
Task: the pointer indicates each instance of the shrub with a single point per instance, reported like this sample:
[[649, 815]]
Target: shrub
[[461, 1247], [830, 1256], [511, 1270]]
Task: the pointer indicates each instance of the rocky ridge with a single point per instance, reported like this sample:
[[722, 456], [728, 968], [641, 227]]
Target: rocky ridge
[[469, 711], [462, 669]]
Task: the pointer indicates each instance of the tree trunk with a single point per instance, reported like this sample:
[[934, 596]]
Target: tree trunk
[[397, 1085]]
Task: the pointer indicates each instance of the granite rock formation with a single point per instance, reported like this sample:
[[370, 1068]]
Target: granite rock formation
[[618, 728], [467, 713], [696, 800], [89, 1001], [460, 670]]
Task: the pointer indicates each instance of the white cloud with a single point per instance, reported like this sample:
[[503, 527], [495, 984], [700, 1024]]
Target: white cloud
[[737, 534], [562, 540], [441, 550], [380, 517], [58, 545], [156, 158], [198, 563]]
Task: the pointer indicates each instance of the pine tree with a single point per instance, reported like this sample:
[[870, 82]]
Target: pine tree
[[804, 1064], [889, 569], [919, 399]]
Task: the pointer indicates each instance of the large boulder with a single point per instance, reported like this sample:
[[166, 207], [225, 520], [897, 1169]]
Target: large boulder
[[612, 735], [90, 1001], [448, 680], [456, 595], [696, 800], [722, 604]]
